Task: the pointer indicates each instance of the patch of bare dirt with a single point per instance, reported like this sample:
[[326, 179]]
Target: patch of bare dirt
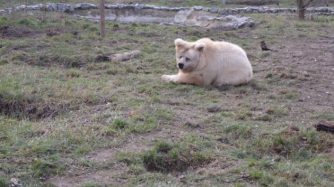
[[100, 177], [18, 32], [312, 61], [11, 31], [106, 154], [80, 176], [25, 108], [218, 167]]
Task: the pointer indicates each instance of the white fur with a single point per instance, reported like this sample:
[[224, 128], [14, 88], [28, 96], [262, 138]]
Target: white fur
[[210, 62]]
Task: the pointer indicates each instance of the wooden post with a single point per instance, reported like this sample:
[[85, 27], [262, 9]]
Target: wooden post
[[102, 19]]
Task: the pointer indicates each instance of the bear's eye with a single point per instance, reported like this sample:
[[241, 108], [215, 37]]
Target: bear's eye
[[187, 59], [180, 57]]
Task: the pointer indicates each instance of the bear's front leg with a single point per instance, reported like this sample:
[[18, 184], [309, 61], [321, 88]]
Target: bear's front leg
[[170, 78], [184, 79]]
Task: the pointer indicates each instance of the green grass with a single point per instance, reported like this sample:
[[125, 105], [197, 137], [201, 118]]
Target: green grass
[[65, 115], [177, 156]]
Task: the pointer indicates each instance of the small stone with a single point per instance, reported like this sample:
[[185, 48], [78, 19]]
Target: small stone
[[15, 181]]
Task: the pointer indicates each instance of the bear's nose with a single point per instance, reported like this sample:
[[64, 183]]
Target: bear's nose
[[181, 65]]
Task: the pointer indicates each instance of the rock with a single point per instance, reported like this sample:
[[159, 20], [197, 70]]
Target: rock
[[181, 16], [198, 7], [51, 7], [62, 7], [111, 6], [14, 181], [176, 9], [120, 6], [241, 10], [207, 18], [273, 10], [85, 6], [213, 10], [139, 6], [150, 7], [21, 7]]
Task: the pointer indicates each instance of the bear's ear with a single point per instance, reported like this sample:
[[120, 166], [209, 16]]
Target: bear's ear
[[179, 43], [200, 47]]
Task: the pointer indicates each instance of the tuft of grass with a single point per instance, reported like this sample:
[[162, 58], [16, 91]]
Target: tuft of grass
[[329, 116], [127, 157], [43, 168], [176, 156], [239, 130], [276, 111], [120, 124], [4, 182]]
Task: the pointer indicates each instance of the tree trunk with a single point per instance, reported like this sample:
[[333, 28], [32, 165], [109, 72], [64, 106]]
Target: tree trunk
[[300, 9]]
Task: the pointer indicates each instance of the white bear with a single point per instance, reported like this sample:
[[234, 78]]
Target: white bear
[[206, 62]]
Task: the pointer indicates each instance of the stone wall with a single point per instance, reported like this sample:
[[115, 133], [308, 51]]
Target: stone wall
[[224, 11], [211, 18]]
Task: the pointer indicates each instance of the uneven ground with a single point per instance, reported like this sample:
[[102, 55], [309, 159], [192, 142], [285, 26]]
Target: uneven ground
[[67, 120]]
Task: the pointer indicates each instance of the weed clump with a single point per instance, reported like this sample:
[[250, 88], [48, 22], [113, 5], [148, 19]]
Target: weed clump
[[3, 62], [43, 168], [120, 124], [4, 182], [300, 145], [177, 156], [22, 108]]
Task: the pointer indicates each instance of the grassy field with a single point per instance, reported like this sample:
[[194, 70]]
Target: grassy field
[[68, 120]]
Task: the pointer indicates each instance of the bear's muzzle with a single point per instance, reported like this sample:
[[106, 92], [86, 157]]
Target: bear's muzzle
[[180, 65]]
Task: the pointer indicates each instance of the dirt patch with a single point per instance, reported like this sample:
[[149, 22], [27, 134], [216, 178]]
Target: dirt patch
[[25, 108], [100, 177], [18, 32], [312, 68], [218, 167], [107, 156]]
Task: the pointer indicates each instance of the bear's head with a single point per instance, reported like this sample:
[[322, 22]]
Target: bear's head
[[188, 54]]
